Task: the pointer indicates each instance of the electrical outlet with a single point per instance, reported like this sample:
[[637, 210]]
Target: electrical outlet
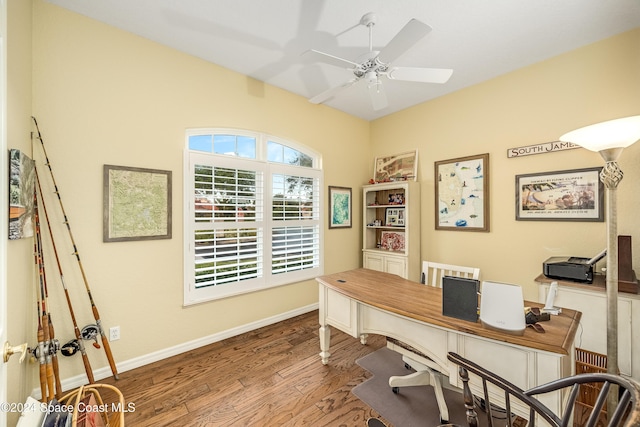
[[114, 333]]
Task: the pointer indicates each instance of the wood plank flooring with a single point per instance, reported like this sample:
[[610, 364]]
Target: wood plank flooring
[[268, 377]]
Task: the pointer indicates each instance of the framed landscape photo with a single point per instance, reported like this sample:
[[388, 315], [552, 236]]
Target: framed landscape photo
[[570, 195], [340, 208], [22, 187], [136, 204], [462, 193], [397, 167]]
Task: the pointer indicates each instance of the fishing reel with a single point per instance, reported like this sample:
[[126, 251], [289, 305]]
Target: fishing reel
[[54, 346], [49, 348], [89, 332], [70, 348]]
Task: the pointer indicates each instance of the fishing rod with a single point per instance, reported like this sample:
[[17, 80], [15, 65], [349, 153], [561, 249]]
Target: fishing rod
[[54, 344], [44, 340], [53, 350], [76, 330], [39, 353], [94, 309]]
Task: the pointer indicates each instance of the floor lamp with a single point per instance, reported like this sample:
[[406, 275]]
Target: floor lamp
[[609, 139]]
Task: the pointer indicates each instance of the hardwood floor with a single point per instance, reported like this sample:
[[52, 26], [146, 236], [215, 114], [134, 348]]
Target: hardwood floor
[[268, 377]]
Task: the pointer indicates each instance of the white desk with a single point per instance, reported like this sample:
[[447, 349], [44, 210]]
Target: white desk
[[360, 302]]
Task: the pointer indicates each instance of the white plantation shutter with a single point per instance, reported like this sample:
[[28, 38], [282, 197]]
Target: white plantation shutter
[[228, 227], [295, 233]]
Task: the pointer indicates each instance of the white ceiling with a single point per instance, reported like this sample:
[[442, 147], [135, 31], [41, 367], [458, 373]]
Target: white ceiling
[[264, 39]]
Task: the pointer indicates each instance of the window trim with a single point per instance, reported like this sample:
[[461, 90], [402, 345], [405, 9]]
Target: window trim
[[193, 295]]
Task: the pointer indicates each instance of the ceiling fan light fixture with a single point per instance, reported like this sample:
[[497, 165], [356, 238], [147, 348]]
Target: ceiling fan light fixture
[[371, 77]]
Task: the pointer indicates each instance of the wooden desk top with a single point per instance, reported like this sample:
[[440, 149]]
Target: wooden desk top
[[424, 303]]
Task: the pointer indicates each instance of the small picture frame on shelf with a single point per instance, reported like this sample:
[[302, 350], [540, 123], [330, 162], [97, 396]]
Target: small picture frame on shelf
[[394, 217], [396, 199], [392, 241], [390, 216]]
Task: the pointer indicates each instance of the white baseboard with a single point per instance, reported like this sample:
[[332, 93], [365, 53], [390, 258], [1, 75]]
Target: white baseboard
[[127, 365]]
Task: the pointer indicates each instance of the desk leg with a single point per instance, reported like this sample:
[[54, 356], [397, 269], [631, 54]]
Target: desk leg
[[363, 339], [325, 338]]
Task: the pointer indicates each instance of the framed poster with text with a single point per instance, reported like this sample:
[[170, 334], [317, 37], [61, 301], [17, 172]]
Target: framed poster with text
[[570, 195]]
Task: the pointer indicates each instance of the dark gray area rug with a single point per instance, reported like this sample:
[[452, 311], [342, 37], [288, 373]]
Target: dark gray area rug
[[413, 406]]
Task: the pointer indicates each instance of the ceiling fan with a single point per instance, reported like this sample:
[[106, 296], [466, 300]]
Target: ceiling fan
[[373, 65]]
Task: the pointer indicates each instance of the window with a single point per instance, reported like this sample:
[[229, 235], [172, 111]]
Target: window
[[253, 213]]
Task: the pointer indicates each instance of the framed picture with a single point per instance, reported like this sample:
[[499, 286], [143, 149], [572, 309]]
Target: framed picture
[[394, 217], [396, 199], [392, 241], [570, 195], [462, 193], [22, 187], [136, 204], [398, 167], [340, 207]]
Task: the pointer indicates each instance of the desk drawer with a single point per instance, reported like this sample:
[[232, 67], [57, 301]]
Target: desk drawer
[[430, 340]]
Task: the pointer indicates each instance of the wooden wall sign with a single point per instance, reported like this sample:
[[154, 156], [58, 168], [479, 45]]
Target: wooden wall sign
[[545, 147]]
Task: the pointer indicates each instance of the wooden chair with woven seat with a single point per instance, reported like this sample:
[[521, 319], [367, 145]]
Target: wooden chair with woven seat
[[427, 372], [625, 413]]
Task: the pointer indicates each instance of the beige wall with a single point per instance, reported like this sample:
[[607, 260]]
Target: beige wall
[[105, 96], [529, 106], [21, 318]]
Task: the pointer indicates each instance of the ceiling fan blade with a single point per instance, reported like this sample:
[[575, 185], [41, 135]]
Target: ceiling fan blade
[[329, 59], [423, 75], [410, 34], [328, 94], [378, 96]]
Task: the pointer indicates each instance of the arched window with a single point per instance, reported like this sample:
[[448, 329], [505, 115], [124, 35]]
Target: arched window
[[253, 213]]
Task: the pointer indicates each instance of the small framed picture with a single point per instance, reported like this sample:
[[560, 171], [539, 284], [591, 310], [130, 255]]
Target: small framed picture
[[396, 199], [390, 217], [394, 217], [339, 207], [392, 241]]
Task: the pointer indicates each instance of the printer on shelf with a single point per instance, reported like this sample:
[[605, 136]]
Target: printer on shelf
[[571, 268]]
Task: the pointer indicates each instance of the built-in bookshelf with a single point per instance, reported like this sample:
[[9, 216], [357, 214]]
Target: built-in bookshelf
[[391, 222]]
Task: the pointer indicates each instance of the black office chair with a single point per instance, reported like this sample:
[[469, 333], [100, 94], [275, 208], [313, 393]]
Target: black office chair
[[625, 414]]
